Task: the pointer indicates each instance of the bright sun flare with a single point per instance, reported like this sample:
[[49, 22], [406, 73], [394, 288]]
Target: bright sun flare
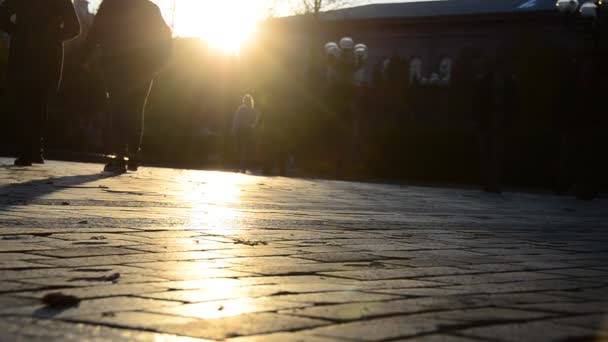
[[224, 25]]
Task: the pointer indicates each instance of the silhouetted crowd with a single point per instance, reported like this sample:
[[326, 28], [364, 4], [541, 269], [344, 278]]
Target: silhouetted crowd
[[133, 44]]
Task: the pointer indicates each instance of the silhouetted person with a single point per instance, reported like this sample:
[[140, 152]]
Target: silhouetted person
[[38, 29], [273, 127], [496, 99], [243, 126], [579, 120], [135, 43], [572, 88]]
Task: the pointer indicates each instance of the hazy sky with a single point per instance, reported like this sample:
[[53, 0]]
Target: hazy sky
[[284, 4], [226, 24]]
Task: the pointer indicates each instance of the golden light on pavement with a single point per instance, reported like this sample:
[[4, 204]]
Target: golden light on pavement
[[213, 197]]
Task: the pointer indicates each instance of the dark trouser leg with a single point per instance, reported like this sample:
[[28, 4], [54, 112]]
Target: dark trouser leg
[[498, 147], [118, 125], [135, 120], [587, 181], [243, 143], [565, 177], [491, 146], [239, 151], [127, 104], [484, 158], [31, 108]]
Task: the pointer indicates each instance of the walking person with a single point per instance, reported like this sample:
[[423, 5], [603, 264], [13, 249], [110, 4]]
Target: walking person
[[580, 165], [135, 44], [496, 105], [243, 126], [38, 29]]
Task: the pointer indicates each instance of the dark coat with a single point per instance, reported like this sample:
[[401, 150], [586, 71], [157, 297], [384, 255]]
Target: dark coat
[[497, 101], [38, 29], [132, 35]]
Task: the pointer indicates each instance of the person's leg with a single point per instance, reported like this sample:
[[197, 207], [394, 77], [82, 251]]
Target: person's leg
[[483, 158], [30, 109], [135, 121], [586, 187], [565, 177], [39, 125], [249, 149], [118, 111], [498, 148], [241, 146], [23, 112], [237, 144]]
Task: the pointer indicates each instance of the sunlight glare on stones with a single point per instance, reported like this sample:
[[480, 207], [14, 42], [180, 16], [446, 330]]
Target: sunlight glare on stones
[[213, 197]]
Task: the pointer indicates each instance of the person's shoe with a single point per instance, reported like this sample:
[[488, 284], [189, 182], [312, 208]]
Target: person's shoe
[[492, 189], [117, 166], [23, 162], [38, 159], [133, 164]]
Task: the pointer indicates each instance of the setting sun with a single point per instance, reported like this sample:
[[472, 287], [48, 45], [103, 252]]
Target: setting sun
[[224, 25]]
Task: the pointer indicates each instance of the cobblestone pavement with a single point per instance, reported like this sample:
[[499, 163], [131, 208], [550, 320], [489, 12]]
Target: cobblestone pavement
[[172, 255]]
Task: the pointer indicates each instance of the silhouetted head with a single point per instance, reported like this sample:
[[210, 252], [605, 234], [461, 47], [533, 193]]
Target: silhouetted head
[[248, 101]]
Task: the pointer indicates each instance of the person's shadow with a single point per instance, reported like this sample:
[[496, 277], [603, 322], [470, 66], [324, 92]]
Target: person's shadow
[[23, 193]]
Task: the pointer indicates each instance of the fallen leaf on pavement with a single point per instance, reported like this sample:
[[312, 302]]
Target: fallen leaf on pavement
[[59, 300], [113, 278]]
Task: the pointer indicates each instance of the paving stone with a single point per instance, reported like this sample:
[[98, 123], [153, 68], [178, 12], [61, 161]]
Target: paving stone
[[90, 307], [13, 247], [263, 261], [538, 285], [335, 297], [84, 252], [309, 268], [502, 267], [380, 274], [530, 331], [578, 272], [10, 302], [491, 314], [440, 338], [589, 294], [591, 322], [356, 311], [381, 328], [229, 307], [205, 295], [213, 284], [99, 260], [252, 324], [12, 287], [338, 257], [101, 290], [134, 320], [93, 279], [420, 292], [597, 307], [232, 290], [253, 252], [20, 264], [302, 336], [294, 279], [392, 284], [29, 329]]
